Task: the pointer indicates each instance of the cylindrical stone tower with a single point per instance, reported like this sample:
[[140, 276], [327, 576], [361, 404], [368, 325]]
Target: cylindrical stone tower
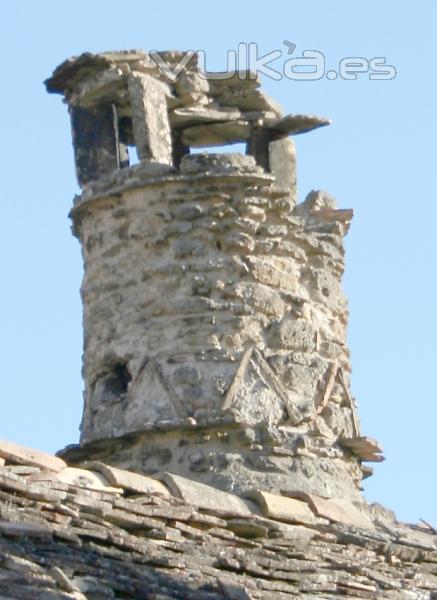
[[215, 324]]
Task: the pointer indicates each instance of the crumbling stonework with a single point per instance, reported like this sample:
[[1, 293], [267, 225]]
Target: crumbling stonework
[[215, 324]]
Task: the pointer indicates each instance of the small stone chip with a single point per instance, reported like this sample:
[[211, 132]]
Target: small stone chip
[[62, 580]]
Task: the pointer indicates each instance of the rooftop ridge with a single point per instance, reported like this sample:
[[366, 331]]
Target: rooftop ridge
[[77, 533]]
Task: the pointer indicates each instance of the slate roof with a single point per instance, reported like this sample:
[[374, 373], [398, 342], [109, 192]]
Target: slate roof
[[100, 532]]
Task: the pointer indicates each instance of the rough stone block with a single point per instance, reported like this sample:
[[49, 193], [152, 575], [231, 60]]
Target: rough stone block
[[293, 334], [282, 164], [150, 119]]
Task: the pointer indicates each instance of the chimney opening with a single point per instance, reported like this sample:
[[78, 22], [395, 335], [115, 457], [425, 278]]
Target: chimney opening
[[221, 149]]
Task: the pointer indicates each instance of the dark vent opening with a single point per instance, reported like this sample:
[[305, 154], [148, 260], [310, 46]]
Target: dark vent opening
[[113, 384], [119, 379]]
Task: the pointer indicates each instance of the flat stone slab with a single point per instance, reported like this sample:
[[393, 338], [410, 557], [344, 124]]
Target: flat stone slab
[[79, 478], [420, 539], [21, 455], [206, 497], [295, 124], [366, 448], [283, 508], [24, 530], [217, 134], [188, 116], [357, 516], [339, 510], [128, 480]]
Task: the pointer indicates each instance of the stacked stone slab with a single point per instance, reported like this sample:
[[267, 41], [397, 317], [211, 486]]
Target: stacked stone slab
[[215, 324]]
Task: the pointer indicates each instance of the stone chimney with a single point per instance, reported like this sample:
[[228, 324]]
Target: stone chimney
[[214, 319]]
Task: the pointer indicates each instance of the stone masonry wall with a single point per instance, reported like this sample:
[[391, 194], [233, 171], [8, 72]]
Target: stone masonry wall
[[207, 294]]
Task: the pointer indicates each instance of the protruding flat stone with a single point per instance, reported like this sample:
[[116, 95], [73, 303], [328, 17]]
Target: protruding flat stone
[[343, 215], [364, 447], [295, 124], [282, 508], [128, 480], [21, 455], [206, 497], [335, 509]]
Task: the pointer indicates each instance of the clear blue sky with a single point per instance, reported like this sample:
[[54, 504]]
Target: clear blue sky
[[379, 157]]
